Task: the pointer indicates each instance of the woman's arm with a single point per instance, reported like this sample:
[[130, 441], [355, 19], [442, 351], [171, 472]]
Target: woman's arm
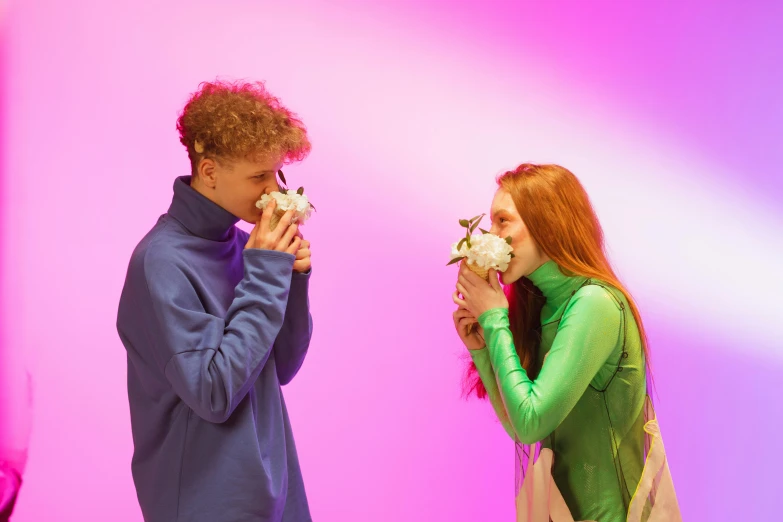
[[587, 334], [484, 367]]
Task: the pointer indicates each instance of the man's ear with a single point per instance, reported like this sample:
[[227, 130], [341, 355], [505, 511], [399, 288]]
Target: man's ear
[[206, 172]]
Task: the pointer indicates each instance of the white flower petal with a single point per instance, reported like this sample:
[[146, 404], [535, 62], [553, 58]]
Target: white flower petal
[[486, 250], [289, 201]]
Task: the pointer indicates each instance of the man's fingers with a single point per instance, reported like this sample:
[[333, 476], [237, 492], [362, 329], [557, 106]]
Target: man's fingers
[[282, 226], [301, 266], [266, 215], [294, 246], [288, 237], [251, 241]]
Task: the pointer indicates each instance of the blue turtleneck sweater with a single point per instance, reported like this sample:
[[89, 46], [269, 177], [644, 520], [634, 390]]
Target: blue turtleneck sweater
[[212, 330]]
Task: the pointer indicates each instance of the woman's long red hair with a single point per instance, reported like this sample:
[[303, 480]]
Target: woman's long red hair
[[559, 217]]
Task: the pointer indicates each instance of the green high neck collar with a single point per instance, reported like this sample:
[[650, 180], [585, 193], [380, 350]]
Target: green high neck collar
[[554, 284]]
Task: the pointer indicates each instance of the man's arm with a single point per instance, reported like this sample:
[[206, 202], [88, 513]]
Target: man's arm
[[212, 362], [294, 338]]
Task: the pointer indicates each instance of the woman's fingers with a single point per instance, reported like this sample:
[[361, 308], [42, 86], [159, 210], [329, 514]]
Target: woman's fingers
[[459, 313], [466, 321], [469, 278]]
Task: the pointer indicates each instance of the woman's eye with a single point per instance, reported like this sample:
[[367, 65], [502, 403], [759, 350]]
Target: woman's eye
[[502, 220]]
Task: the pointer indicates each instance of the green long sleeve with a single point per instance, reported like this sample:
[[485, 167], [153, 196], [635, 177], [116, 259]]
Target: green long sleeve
[[587, 400], [484, 367], [587, 335]]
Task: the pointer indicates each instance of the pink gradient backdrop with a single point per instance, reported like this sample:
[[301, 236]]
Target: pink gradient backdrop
[[670, 114]]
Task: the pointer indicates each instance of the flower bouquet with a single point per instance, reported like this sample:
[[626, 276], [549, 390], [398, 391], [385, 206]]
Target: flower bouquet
[[481, 252], [287, 200]]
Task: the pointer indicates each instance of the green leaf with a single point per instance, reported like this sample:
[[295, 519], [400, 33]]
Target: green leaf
[[282, 178], [508, 240], [455, 260], [462, 242], [477, 217], [464, 223], [512, 255], [300, 190], [484, 231], [473, 227]]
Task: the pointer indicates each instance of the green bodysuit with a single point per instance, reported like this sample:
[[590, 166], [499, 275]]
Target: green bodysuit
[[587, 401]]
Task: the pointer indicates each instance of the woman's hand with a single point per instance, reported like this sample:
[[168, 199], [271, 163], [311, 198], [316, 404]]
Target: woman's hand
[[472, 338], [478, 296]]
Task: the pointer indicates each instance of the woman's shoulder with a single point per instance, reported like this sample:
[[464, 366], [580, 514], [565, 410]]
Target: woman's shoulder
[[599, 297]]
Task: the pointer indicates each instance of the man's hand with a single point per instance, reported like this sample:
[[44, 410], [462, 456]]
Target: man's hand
[[283, 238], [302, 262]]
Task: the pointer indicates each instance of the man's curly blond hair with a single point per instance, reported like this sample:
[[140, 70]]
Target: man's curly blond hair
[[237, 120]]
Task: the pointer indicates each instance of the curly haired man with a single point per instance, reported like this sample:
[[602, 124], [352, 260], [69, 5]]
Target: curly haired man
[[215, 320]]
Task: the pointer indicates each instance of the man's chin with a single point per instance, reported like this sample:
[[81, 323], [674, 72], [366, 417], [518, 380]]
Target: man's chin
[[251, 217]]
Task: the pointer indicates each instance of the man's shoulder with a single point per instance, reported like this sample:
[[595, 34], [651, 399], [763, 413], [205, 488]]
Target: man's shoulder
[[158, 248], [242, 236]]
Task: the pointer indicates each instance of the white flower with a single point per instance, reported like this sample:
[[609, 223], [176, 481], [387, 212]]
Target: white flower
[[486, 250], [462, 252], [289, 201]]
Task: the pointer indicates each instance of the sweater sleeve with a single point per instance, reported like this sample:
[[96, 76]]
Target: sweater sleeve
[[294, 338], [212, 362]]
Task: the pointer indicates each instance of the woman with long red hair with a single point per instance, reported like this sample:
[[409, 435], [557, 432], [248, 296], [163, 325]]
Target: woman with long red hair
[[563, 357]]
